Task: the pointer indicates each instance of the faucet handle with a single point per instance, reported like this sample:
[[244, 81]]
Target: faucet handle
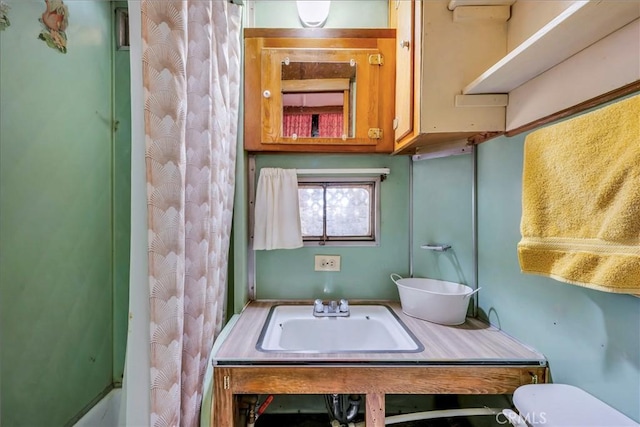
[[344, 305], [318, 306]]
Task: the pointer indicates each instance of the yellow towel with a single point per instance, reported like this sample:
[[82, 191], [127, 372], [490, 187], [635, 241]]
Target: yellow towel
[[581, 200]]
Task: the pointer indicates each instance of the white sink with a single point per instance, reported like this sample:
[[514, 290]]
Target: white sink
[[369, 328]]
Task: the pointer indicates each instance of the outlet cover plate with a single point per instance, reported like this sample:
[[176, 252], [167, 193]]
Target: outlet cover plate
[[327, 263]]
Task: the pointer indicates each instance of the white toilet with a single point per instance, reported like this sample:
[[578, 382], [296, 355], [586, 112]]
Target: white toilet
[[562, 405]]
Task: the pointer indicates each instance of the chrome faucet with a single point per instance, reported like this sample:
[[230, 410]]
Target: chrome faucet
[[332, 309]]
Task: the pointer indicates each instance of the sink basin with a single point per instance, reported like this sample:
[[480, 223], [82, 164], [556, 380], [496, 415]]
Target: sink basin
[[371, 328]]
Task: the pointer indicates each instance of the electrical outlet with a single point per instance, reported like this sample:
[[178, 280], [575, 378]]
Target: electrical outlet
[[327, 263]]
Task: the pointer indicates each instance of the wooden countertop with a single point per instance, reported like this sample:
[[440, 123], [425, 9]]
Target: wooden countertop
[[472, 343]]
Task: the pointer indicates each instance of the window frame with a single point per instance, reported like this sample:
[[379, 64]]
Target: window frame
[[375, 214]]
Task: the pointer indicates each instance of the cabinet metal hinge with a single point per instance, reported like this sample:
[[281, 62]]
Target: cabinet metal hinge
[[226, 382], [395, 123], [375, 133], [376, 59], [534, 379]]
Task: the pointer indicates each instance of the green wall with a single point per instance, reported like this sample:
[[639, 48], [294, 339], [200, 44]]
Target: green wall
[[342, 14], [283, 14], [590, 338], [56, 215], [289, 273], [442, 214], [121, 202], [237, 287]]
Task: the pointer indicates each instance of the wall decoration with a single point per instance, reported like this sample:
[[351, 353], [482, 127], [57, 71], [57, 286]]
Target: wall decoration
[[55, 22], [4, 16]]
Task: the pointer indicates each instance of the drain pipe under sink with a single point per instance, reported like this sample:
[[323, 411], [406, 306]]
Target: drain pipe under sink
[[428, 415]]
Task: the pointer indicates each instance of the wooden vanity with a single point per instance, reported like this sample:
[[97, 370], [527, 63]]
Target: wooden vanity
[[473, 358]]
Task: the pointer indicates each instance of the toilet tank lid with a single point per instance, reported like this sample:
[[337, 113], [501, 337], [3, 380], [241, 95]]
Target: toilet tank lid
[[555, 405]]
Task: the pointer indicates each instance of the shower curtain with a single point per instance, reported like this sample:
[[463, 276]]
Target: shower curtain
[[185, 58]]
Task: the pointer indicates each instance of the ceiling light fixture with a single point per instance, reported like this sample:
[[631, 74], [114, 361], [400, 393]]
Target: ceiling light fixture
[[313, 13]]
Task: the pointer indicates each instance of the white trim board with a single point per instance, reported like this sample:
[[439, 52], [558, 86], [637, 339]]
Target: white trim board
[[576, 28], [609, 64]]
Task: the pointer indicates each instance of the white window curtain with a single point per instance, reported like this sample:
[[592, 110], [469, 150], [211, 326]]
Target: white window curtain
[[277, 212]]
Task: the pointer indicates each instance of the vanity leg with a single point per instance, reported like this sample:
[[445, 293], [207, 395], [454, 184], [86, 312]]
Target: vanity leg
[[223, 407], [374, 416]]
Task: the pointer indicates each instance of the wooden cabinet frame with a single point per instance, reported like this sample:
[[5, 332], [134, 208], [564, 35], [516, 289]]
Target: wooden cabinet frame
[[372, 381], [265, 49]]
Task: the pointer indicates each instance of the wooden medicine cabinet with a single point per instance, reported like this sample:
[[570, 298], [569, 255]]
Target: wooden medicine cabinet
[[319, 90]]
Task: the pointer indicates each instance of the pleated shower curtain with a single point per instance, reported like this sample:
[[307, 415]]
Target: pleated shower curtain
[[190, 68]]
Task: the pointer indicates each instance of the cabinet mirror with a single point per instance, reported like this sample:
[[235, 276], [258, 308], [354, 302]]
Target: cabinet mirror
[[318, 96], [318, 99]]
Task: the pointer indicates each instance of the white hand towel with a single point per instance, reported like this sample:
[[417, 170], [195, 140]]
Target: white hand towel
[[277, 211]]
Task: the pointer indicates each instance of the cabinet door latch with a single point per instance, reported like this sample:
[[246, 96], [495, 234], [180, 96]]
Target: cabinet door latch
[[375, 133], [376, 59]]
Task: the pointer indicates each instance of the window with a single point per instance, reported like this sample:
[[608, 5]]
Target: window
[[339, 211]]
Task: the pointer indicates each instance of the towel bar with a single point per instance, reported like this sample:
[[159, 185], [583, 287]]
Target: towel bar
[[437, 248]]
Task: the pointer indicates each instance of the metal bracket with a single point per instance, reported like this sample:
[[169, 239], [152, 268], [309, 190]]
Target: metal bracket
[[376, 59], [375, 133], [436, 247], [226, 382]]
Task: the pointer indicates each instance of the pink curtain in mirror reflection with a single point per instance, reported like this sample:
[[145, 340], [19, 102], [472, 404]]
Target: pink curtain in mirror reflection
[[305, 125], [330, 125], [298, 124]]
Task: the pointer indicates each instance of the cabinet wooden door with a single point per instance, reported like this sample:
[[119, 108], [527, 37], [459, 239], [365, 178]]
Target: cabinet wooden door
[[405, 18], [437, 54], [351, 71], [358, 120]]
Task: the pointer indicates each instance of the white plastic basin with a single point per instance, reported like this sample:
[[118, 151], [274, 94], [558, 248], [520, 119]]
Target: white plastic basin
[[434, 300], [369, 328]]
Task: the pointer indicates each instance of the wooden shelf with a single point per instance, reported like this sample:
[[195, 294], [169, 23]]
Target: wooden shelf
[[577, 27]]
